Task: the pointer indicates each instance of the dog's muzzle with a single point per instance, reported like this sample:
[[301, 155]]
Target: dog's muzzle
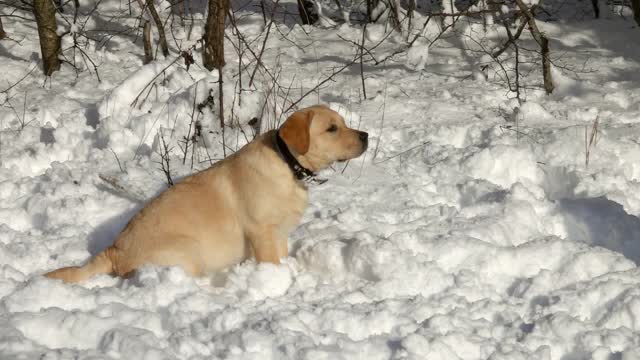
[[364, 138]]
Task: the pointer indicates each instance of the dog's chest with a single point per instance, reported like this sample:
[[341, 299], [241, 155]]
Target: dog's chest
[[288, 204], [293, 211]]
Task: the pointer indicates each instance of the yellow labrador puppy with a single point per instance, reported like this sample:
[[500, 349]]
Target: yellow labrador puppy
[[243, 206]]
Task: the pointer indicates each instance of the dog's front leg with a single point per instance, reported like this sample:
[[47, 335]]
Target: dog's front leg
[[283, 247], [266, 245]]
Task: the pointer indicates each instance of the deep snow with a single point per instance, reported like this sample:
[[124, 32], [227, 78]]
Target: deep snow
[[471, 229]]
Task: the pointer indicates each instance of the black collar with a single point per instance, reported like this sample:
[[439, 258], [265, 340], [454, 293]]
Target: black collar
[[300, 172]]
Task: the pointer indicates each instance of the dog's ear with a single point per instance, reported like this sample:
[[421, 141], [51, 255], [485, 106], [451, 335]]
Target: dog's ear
[[295, 131]]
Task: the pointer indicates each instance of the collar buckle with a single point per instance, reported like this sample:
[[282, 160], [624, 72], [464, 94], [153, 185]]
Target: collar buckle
[[300, 172]]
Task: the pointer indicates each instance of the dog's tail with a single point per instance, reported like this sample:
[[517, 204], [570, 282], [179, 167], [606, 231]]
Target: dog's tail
[[100, 264]]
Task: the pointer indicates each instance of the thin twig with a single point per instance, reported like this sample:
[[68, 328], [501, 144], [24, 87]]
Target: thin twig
[[264, 45], [403, 152]]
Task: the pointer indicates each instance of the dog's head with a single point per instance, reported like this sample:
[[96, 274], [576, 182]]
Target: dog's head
[[318, 136]]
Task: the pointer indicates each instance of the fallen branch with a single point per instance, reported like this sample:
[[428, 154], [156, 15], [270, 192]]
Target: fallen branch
[[590, 141]]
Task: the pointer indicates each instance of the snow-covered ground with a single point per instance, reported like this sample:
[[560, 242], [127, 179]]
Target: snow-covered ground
[[471, 229]]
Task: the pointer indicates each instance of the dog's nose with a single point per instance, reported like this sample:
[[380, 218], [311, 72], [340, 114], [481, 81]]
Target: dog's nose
[[363, 136]]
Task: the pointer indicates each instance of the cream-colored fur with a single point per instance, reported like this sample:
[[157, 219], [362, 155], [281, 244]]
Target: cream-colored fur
[[243, 206]]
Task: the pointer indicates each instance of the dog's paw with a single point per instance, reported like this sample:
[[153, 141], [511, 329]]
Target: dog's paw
[[259, 281], [269, 280]]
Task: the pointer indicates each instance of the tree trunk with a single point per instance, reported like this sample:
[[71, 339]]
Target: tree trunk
[[371, 5], [635, 4], [146, 40], [2, 33], [542, 40], [307, 12], [156, 18], [394, 13], [213, 53], [45, 13], [410, 9], [546, 65]]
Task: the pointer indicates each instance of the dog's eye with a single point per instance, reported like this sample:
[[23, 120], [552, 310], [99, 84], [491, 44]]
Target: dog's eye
[[332, 128]]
